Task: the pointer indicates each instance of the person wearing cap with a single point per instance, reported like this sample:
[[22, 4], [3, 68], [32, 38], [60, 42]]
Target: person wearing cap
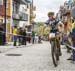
[[73, 31]]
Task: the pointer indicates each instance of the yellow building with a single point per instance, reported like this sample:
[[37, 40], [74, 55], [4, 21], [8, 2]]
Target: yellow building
[[8, 19]]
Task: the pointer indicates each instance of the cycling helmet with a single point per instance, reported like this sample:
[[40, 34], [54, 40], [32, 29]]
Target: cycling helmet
[[50, 13]]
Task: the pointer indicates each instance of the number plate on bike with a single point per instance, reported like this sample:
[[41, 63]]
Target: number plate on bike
[[51, 35]]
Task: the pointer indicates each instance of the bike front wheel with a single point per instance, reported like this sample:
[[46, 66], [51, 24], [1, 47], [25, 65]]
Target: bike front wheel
[[54, 53]]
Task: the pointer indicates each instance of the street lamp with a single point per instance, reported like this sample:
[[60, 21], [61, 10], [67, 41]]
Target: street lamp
[[5, 3]]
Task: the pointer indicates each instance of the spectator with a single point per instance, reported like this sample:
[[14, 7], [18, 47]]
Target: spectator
[[24, 37], [2, 36], [73, 41], [29, 38], [20, 36], [15, 35], [36, 38], [73, 31], [33, 37], [39, 39]]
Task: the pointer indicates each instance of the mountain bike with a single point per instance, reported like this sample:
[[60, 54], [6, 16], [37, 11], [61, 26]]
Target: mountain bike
[[55, 47]]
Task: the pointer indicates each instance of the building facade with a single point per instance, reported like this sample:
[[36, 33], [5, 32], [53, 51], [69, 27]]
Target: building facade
[[2, 11], [17, 13]]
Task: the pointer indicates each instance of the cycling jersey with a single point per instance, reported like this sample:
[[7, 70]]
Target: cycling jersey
[[53, 25]]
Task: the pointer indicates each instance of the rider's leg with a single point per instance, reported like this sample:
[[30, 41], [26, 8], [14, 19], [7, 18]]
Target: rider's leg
[[58, 45]]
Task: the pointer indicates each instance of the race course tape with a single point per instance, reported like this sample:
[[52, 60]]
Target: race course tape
[[73, 48], [11, 34]]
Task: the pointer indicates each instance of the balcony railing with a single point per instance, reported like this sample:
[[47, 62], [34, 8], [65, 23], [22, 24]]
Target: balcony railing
[[28, 1], [23, 16], [20, 1], [23, 1], [33, 16], [16, 16]]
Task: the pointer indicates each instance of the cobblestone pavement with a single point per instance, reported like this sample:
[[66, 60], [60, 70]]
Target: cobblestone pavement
[[35, 57]]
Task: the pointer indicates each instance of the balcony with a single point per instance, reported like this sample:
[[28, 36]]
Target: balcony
[[23, 1], [23, 16], [16, 16], [33, 16], [28, 1], [20, 1]]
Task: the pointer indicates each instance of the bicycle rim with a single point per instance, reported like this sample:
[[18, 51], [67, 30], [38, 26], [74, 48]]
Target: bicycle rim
[[54, 54]]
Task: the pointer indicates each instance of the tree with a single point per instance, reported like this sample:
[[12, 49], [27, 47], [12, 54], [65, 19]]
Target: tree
[[46, 30]]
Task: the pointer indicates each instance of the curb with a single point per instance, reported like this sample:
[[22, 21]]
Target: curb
[[8, 47]]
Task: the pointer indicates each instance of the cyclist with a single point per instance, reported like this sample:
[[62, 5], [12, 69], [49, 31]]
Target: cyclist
[[53, 23]]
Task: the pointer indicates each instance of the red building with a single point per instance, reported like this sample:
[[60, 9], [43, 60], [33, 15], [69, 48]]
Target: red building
[[1, 10]]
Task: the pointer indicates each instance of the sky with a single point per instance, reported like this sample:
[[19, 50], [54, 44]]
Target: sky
[[44, 6]]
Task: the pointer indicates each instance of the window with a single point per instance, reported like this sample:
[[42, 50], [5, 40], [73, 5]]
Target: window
[[15, 7], [1, 2], [7, 4]]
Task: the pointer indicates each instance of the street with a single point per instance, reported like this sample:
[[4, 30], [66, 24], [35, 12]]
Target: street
[[35, 57], [30, 21]]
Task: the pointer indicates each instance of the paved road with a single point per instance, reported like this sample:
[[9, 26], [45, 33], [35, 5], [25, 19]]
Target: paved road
[[35, 57]]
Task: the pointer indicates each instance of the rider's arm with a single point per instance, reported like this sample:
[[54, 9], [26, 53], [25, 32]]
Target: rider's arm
[[60, 26]]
